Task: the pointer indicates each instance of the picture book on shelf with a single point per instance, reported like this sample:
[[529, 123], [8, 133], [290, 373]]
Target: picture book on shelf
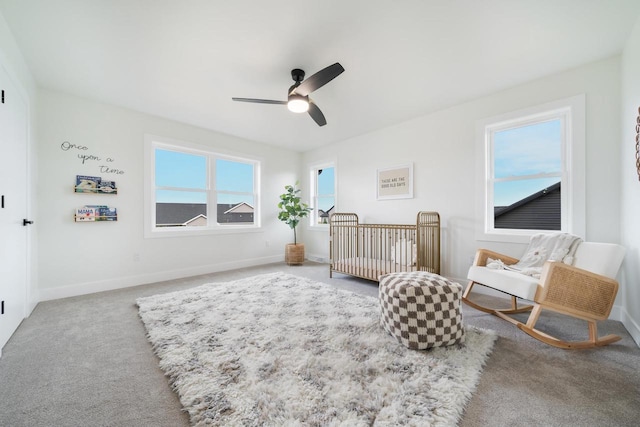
[[85, 183], [85, 214], [107, 187], [107, 214], [94, 184], [104, 213], [96, 213]]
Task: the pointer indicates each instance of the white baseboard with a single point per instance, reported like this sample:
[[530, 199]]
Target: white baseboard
[[616, 313], [142, 279], [317, 258], [632, 326]]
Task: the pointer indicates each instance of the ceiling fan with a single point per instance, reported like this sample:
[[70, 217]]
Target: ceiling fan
[[298, 95]]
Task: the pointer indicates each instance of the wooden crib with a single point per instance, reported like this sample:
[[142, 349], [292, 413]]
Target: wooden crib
[[371, 250]]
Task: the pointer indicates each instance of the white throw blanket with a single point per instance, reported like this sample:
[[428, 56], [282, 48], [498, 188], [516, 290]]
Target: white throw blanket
[[559, 247]]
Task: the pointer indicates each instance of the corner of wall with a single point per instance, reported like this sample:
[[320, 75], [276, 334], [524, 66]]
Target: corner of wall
[[632, 326], [629, 312]]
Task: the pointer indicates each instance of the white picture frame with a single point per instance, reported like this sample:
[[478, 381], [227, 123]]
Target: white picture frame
[[395, 182]]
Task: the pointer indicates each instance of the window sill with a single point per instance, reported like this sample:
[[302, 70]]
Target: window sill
[[511, 236], [171, 232]]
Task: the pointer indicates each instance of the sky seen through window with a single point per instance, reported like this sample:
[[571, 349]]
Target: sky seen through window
[[184, 172], [522, 153]]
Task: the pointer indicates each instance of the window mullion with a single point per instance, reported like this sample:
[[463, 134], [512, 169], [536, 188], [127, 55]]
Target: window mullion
[[239, 193], [190, 190], [525, 177], [212, 196]]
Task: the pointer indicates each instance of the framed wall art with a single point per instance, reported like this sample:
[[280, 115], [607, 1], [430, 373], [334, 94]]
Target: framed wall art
[[395, 182]]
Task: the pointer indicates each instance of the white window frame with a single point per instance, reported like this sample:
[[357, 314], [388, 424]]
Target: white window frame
[[571, 112], [152, 142], [313, 190]]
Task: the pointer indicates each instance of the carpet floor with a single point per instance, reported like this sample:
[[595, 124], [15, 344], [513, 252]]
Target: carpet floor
[[86, 361]]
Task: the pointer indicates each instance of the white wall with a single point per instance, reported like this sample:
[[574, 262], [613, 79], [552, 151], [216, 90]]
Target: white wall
[[442, 148], [12, 61], [77, 258], [630, 223]]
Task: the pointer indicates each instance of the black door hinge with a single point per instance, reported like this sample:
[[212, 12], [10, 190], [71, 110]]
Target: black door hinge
[[3, 96]]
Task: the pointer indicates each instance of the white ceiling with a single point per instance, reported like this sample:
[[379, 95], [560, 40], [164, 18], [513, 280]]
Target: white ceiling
[[184, 60]]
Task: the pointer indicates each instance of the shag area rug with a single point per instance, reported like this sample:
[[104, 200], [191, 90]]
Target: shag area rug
[[280, 350]]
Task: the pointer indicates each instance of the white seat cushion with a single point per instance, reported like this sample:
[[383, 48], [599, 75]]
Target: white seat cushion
[[510, 282]]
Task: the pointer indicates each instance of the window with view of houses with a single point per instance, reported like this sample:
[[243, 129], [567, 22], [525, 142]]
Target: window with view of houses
[[534, 170], [527, 175], [323, 193], [193, 189]]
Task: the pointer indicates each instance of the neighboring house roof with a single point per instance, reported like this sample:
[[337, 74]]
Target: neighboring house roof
[[539, 211], [327, 214], [178, 213], [228, 214], [186, 214], [240, 208], [199, 220]]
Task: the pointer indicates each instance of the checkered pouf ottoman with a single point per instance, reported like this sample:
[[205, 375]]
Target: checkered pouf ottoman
[[420, 309]]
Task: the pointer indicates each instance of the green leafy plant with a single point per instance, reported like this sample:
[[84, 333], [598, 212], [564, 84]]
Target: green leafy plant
[[292, 210]]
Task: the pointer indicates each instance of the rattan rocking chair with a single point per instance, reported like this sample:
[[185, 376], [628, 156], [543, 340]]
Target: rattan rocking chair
[[585, 290]]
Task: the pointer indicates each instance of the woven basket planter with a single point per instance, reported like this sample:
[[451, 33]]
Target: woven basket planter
[[294, 254]]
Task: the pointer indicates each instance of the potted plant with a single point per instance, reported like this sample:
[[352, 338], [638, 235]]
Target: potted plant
[[292, 210]]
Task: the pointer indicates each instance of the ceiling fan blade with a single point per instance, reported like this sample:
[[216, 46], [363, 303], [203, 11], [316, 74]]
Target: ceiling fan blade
[[260, 101], [316, 114], [319, 79]]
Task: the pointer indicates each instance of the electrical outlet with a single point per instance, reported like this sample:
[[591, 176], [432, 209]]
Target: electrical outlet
[[136, 257]]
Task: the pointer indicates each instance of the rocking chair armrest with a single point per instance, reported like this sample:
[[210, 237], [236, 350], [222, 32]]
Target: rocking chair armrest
[[483, 254], [572, 290]]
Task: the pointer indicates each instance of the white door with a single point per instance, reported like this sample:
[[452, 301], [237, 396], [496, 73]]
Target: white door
[[13, 208]]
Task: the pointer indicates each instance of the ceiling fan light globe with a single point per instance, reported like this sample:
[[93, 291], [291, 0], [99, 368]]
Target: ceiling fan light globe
[[298, 104]]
